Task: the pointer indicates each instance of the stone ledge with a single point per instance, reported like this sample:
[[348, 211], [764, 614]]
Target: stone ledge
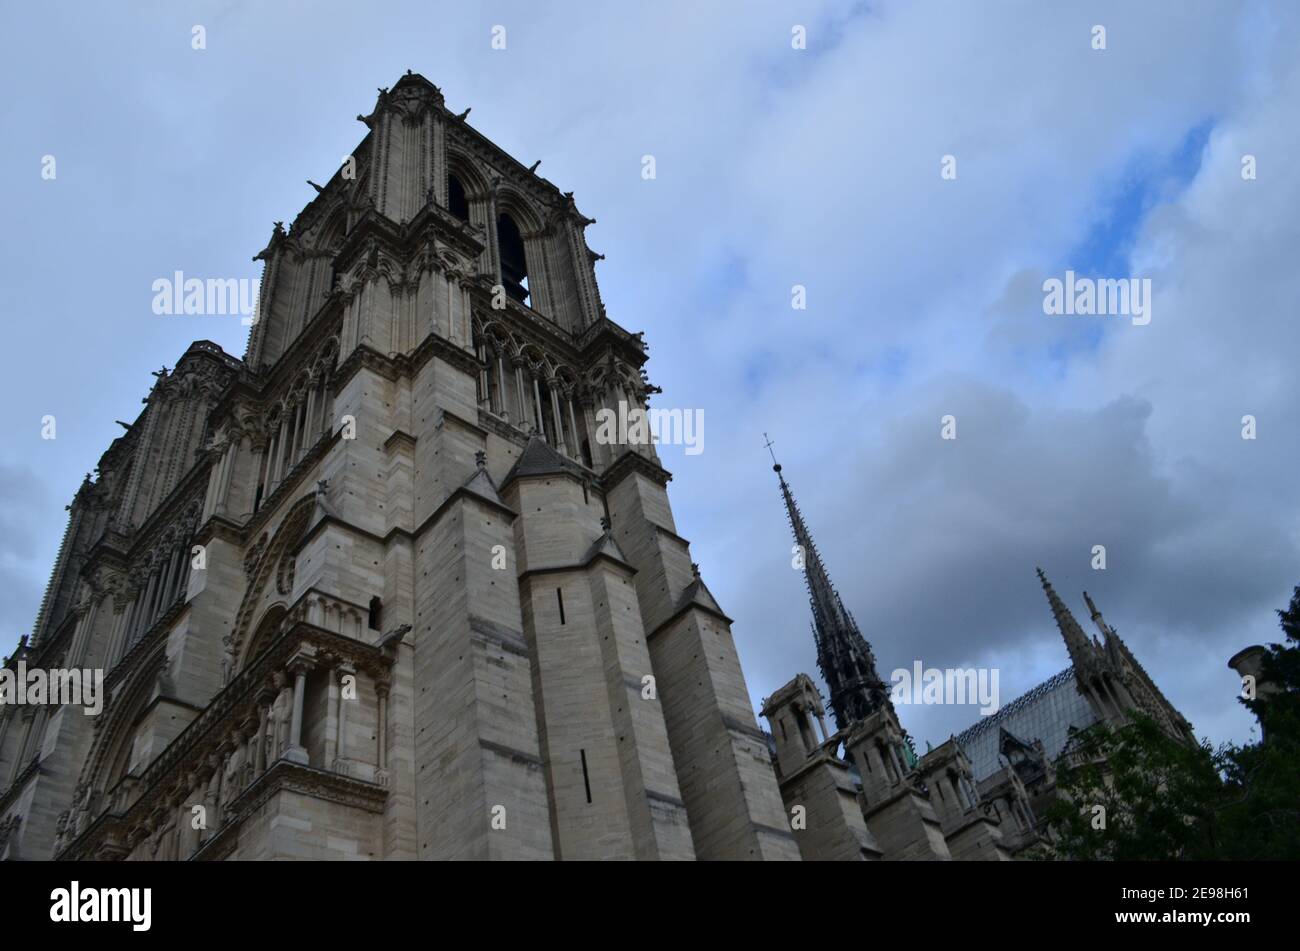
[[286, 776]]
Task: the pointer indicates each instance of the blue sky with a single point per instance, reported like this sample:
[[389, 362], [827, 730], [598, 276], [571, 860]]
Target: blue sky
[[775, 167]]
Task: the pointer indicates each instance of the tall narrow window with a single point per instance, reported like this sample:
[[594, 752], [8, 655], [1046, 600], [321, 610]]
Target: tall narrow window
[[457, 203], [514, 263], [586, 780], [559, 599], [376, 613]]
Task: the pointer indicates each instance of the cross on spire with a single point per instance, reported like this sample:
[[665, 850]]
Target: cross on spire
[[769, 444]]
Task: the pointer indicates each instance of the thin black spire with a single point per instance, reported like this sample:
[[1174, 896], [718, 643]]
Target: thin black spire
[[847, 664]]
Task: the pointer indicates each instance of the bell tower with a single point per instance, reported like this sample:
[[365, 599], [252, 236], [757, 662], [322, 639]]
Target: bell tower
[[444, 618]]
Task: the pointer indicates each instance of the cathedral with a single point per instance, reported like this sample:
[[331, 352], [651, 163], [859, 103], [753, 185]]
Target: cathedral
[[379, 590], [861, 793]]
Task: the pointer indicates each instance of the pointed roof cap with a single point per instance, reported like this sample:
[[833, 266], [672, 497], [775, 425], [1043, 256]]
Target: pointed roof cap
[[605, 545], [480, 483], [698, 593], [539, 458]]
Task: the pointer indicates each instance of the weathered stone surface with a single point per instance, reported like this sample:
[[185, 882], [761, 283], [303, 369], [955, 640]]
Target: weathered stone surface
[[354, 593]]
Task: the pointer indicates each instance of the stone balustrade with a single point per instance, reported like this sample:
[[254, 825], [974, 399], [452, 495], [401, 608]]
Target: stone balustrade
[[256, 736]]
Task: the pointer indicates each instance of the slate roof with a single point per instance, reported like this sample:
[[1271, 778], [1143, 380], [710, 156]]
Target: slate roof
[[539, 458]]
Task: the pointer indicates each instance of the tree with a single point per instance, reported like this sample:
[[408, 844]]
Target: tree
[[1134, 792]]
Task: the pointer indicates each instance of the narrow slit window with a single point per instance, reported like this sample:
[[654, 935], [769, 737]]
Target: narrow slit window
[[559, 599], [586, 779]]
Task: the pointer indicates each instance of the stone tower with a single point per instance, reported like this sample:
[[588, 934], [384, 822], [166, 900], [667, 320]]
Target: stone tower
[[816, 784], [377, 590]]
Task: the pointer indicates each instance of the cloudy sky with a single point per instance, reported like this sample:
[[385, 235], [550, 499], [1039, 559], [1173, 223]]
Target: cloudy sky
[[775, 166]]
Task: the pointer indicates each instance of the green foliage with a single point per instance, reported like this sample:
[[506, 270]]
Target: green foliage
[[1136, 793], [1163, 799]]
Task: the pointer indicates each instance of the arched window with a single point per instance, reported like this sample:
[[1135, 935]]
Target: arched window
[[267, 631], [457, 203], [514, 264]]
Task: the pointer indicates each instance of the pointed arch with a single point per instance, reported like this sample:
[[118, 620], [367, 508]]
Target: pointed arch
[[512, 202], [117, 724], [292, 528], [467, 171]]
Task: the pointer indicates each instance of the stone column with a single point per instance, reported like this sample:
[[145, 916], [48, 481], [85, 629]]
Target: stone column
[[333, 694], [518, 364], [272, 461], [573, 430], [537, 407], [381, 691], [263, 449], [301, 435], [281, 439], [501, 386], [298, 667], [555, 416], [309, 428], [342, 671]]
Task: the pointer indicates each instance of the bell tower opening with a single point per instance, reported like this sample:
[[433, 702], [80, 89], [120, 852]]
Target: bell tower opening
[[514, 263], [457, 203]]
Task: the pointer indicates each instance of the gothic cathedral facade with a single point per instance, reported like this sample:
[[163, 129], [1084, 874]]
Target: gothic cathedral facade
[[376, 590]]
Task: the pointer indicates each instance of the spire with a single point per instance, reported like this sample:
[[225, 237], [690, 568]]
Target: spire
[[843, 654], [1076, 641], [1106, 631]]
